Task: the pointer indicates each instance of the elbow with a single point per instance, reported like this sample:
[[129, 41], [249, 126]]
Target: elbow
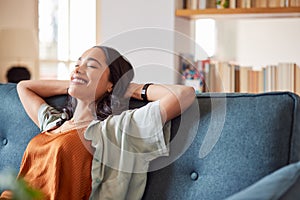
[[190, 95], [190, 92], [187, 97], [21, 84], [177, 101]]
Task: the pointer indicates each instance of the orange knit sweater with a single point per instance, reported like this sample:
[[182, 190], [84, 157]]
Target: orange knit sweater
[[59, 165]]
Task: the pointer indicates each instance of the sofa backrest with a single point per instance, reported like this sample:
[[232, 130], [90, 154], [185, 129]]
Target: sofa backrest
[[16, 128], [220, 145], [236, 140]]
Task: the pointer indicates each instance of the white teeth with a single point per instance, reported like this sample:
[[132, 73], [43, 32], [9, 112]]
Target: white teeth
[[78, 81]]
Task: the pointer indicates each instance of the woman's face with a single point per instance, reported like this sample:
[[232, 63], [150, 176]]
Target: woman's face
[[90, 78]]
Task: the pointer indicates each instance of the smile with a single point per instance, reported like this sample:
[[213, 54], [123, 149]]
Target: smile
[[78, 81]]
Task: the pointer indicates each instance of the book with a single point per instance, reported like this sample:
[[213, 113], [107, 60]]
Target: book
[[184, 4], [180, 4], [232, 4], [261, 82], [260, 3], [244, 3], [297, 79], [201, 4], [244, 82], [294, 3], [232, 78], [253, 81], [213, 78], [224, 69], [276, 3], [211, 3], [226, 77], [236, 78], [283, 70], [288, 74], [191, 4], [221, 77], [271, 78]]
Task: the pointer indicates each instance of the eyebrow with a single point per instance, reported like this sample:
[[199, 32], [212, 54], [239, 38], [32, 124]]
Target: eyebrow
[[92, 59]]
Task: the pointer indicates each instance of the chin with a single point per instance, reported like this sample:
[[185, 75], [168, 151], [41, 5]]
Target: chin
[[73, 92]]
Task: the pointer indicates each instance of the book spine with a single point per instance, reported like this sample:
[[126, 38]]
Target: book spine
[[232, 4], [260, 3], [246, 4]]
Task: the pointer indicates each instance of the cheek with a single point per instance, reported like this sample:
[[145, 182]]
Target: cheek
[[100, 91], [102, 86]]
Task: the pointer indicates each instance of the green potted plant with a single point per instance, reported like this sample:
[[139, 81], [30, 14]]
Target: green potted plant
[[19, 188], [222, 3]]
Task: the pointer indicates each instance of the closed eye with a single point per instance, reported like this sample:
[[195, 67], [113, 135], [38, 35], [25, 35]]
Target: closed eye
[[91, 66], [90, 62]]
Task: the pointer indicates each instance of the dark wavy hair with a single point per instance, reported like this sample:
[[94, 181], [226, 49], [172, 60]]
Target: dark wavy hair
[[121, 74]]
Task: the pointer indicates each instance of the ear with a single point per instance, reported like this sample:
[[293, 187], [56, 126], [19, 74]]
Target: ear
[[109, 87]]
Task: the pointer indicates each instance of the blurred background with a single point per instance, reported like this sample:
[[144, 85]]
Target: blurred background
[[48, 36]]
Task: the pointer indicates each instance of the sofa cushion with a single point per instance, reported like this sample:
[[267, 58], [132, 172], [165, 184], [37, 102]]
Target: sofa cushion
[[280, 185]]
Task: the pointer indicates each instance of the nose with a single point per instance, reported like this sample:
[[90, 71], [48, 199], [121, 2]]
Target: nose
[[79, 69]]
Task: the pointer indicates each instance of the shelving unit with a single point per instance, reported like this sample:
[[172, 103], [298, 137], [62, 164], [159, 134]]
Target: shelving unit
[[239, 13], [242, 73]]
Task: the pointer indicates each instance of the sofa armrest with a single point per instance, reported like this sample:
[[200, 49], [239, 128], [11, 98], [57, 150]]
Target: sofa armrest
[[281, 184]]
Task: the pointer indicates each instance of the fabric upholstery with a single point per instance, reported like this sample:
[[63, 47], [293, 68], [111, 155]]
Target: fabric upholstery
[[16, 128], [260, 134], [221, 145], [283, 184]]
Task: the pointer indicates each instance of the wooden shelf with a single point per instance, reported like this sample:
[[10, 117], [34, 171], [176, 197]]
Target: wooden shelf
[[239, 13]]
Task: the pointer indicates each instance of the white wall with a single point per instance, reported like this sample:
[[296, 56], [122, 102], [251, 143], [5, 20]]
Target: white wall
[[259, 42], [226, 39], [18, 14], [18, 35], [142, 30], [268, 41]]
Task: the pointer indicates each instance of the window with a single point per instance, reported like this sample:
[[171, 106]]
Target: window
[[66, 29]]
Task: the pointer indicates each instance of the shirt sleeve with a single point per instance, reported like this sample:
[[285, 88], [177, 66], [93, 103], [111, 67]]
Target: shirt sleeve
[[145, 131], [48, 116], [139, 131], [124, 145]]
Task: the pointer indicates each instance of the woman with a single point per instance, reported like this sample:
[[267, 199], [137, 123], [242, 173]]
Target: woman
[[97, 148]]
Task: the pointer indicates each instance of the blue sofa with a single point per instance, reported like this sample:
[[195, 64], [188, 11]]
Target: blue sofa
[[225, 146]]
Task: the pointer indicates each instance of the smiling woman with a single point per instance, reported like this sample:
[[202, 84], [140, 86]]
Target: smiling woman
[[97, 148], [90, 78]]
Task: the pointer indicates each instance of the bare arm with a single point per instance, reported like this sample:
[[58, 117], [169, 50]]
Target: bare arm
[[33, 92], [174, 99]]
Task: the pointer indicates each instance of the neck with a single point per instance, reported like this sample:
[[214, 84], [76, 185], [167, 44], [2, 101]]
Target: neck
[[83, 112]]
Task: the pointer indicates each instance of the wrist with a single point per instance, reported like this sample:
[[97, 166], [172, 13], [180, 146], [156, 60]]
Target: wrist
[[144, 90], [135, 91]]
